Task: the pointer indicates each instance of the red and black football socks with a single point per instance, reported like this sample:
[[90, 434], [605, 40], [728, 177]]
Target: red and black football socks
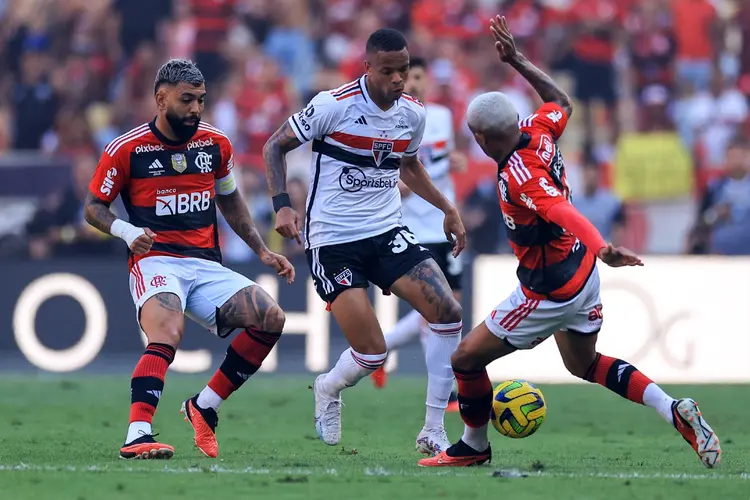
[[626, 380], [475, 404], [244, 357], [146, 386]]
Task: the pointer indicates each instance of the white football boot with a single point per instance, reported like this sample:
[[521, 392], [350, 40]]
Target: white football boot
[[327, 414], [695, 430], [432, 441]]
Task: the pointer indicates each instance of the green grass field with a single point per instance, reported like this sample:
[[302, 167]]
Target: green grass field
[[59, 439]]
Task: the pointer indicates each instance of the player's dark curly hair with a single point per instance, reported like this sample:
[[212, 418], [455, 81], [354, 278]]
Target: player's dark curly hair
[[418, 62], [177, 71], [386, 40]]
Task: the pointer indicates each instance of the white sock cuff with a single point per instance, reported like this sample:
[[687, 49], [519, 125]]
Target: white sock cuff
[[447, 328], [369, 361]]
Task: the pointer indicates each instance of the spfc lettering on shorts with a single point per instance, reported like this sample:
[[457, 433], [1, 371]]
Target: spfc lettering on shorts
[[381, 149], [344, 278], [179, 162]]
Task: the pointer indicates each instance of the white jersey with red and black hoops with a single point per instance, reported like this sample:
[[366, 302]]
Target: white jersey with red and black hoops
[[354, 173], [419, 215]]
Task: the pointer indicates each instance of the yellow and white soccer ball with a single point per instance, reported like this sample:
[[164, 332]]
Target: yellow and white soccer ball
[[518, 408]]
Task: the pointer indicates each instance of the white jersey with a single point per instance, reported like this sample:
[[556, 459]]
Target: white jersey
[[423, 219], [357, 148]]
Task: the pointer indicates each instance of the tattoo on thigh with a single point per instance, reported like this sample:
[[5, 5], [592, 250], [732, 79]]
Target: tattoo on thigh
[[434, 286], [248, 307], [169, 301]]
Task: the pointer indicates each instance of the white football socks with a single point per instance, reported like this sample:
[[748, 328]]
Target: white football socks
[[136, 430], [659, 400], [209, 399], [476, 437], [405, 331], [350, 369], [442, 342]]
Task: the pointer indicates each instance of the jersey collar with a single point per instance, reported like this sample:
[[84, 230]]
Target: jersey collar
[[374, 107], [522, 143]]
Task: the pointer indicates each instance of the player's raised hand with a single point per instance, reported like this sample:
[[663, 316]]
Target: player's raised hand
[[504, 43], [455, 231], [142, 244], [618, 256], [288, 224], [280, 264]]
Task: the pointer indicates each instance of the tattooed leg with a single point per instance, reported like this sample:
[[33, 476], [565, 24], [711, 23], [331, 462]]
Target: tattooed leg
[[162, 319], [252, 307], [427, 290]]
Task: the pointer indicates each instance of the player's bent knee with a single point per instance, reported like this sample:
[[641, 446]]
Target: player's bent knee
[[163, 331], [274, 319], [465, 361], [451, 313]]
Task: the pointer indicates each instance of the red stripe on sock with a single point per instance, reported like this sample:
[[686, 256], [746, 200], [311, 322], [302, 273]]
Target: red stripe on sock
[[151, 366], [252, 350], [603, 364], [221, 385], [473, 385], [637, 386], [142, 412]]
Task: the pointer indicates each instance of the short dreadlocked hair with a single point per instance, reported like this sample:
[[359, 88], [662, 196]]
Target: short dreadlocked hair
[[177, 71]]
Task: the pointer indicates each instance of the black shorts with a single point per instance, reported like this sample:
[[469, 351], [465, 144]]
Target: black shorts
[[451, 266], [595, 81], [380, 260]]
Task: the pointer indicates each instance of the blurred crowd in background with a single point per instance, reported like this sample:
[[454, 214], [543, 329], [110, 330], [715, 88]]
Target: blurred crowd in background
[[657, 150]]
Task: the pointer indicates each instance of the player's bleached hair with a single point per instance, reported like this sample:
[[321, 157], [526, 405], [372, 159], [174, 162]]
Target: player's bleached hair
[[177, 71], [491, 113], [385, 40]]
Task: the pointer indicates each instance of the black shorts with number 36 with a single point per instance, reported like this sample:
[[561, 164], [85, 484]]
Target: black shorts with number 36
[[380, 260]]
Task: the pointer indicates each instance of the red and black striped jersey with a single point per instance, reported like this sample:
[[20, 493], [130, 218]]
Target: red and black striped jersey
[[169, 187], [553, 263]]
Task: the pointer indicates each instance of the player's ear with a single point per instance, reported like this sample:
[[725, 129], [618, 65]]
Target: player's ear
[[161, 98], [368, 66]]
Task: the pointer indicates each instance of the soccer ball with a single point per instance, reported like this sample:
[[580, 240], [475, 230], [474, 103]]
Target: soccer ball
[[518, 408]]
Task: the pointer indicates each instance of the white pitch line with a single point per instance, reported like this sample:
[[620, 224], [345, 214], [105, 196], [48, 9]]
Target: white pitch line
[[377, 471]]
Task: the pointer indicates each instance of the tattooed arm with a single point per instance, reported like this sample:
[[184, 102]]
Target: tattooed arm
[[545, 86], [235, 211], [274, 157], [97, 213]]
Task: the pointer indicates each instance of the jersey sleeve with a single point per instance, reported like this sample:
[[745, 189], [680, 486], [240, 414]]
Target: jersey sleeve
[[225, 182], [550, 118], [533, 188], [110, 177], [413, 147], [319, 117]]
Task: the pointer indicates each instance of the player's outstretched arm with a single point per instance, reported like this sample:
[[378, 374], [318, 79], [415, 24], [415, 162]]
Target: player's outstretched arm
[[288, 222], [414, 175], [234, 209], [545, 86]]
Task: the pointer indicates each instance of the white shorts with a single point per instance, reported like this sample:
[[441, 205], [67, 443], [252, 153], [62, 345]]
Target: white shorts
[[525, 323], [203, 286]]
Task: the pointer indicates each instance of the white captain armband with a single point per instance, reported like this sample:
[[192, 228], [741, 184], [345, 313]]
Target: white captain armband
[[226, 185]]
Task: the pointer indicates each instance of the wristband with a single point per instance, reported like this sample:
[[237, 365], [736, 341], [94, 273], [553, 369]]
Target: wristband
[[126, 231], [280, 201]]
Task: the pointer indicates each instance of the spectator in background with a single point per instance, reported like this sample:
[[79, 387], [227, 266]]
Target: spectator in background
[[34, 101], [290, 46], [483, 219], [600, 205], [58, 228], [213, 18], [594, 28], [723, 224], [715, 116], [699, 41]]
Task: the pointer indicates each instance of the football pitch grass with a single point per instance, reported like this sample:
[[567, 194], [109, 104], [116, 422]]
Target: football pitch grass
[[60, 438]]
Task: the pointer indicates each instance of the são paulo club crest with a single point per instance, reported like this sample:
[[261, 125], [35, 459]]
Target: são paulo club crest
[[381, 148], [344, 278]]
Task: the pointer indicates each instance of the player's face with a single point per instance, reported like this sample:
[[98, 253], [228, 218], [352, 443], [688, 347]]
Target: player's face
[[183, 107], [416, 83], [386, 73]]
